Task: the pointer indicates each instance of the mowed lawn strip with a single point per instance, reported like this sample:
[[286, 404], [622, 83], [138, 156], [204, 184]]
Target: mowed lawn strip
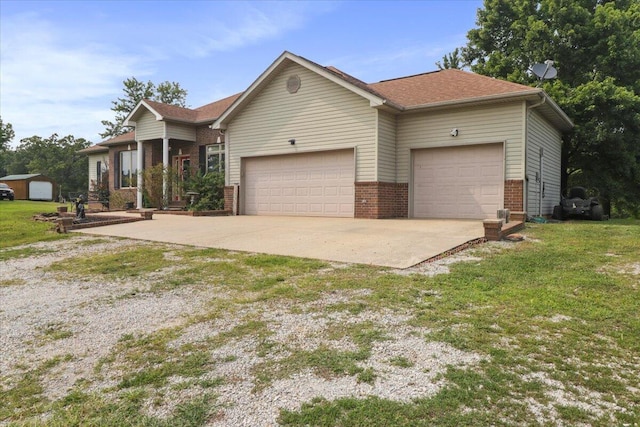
[[554, 319], [17, 228]]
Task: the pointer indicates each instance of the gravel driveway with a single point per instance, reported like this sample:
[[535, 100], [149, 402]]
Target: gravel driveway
[[47, 314]]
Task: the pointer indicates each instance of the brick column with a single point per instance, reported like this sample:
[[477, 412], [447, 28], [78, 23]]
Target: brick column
[[228, 198], [492, 229], [513, 193]]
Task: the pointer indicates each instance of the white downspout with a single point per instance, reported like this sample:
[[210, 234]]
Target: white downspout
[[165, 166]]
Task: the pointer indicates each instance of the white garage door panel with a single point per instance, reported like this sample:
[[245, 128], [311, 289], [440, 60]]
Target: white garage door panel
[[458, 182], [313, 184], [40, 190]]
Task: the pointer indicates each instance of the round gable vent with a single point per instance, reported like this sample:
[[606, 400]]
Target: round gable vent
[[293, 84]]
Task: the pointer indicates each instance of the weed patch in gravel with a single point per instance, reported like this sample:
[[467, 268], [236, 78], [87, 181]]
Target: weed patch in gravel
[[114, 332]]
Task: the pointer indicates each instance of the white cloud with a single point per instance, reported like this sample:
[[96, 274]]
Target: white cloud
[[241, 24], [54, 81], [56, 78], [416, 58]]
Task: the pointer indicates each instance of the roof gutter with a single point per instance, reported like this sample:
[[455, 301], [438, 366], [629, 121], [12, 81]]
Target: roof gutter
[[556, 108], [544, 99], [472, 101]]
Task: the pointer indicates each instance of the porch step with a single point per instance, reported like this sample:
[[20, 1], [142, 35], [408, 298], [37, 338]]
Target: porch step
[[496, 229]]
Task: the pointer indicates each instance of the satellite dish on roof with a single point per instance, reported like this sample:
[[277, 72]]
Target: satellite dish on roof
[[545, 71]]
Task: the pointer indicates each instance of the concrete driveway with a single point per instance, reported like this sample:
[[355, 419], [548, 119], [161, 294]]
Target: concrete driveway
[[398, 243]]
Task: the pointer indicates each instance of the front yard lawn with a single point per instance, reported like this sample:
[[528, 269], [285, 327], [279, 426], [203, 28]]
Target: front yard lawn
[[16, 227], [541, 332]]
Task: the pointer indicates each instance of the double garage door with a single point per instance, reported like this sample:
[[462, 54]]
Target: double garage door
[[465, 182], [310, 184]]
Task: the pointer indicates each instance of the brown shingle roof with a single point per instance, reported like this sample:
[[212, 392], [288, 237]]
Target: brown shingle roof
[[104, 145], [443, 86], [174, 112], [97, 148], [212, 111], [359, 83], [206, 113], [437, 89], [125, 137]]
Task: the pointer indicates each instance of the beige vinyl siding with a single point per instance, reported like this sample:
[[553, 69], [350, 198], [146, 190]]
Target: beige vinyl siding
[[541, 133], [93, 162], [147, 127], [181, 132], [320, 116], [476, 125], [386, 147]]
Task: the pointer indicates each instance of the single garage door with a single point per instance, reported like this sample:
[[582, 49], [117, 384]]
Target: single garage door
[[465, 182], [311, 184], [40, 190]]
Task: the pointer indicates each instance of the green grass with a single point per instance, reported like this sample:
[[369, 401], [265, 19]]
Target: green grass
[[17, 228], [559, 308], [12, 282], [122, 264], [54, 331]]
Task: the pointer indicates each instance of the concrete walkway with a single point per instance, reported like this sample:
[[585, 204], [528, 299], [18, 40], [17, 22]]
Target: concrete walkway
[[398, 243]]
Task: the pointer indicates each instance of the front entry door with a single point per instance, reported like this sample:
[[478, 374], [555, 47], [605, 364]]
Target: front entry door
[[181, 165]]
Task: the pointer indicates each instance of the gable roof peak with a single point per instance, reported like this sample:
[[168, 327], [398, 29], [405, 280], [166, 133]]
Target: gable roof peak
[[409, 76]]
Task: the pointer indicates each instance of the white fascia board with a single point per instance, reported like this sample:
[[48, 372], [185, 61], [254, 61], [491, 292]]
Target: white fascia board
[[220, 123], [557, 110], [129, 120], [471, 101], [562, 119]]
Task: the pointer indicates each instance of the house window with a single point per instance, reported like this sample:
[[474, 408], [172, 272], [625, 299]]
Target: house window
[[215, 158], [128, 169], [101, 168]]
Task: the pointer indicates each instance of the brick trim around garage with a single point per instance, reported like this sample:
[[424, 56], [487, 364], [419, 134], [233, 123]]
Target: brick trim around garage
[[513, 195], [377, 200], [228, 198]]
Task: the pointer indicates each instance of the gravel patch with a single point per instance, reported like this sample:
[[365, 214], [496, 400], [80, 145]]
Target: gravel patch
[[581, 398], [441, 266], [243, 406], [93, 315]]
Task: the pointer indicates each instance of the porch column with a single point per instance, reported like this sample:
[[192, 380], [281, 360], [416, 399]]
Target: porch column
[[140, 180], [166, 165]]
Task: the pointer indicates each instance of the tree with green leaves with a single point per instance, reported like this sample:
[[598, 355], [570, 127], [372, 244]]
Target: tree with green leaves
[[135, 91], [6, 137], [55, 157], [596, 48], [451, 60]]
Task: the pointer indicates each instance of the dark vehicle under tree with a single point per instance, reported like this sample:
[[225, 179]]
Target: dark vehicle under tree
[[579, 204]]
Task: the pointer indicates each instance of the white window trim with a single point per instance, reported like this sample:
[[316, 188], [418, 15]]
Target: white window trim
[[219, 152], [133, 167]]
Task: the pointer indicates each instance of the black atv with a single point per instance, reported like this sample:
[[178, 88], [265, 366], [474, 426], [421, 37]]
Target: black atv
[[578, 204]]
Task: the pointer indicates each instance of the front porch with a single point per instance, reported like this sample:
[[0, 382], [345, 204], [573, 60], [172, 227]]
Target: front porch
[[175, 141]]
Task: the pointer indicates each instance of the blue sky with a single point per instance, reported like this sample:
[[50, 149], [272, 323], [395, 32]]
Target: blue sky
[[63, 62]]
